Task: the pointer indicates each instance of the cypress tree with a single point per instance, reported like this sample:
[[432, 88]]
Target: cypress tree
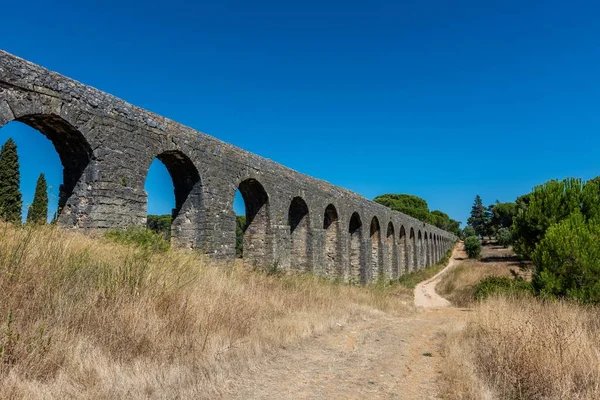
[[38, 211], [10, 194]]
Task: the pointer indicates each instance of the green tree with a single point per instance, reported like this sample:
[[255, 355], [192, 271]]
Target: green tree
[[567, 260], [407, 204], [550, 204], [10, 194], [502, 215], [469, 231], [38, 211], [240, 226], [160, 224], [504, 237], [473, 246], [479, 218]]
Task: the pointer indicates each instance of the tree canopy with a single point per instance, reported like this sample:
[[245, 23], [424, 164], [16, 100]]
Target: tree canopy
[[10, 179], [38, 211], [418, 208]]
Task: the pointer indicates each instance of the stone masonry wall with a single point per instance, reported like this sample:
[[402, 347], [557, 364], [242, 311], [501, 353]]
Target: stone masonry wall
[[106, 147]]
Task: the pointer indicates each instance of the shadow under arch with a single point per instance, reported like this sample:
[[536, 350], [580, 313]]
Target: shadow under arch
[[331, 225], [403, 258], [357, 270], [187, 185], [391, 251], [376, 247], [256, 231], [75, 154], [413, 253], [299, 223]]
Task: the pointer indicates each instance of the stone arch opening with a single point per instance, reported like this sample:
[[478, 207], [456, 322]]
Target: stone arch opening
[[376, 259], [391, 252], [74, 155], [187, 190], [426, 250], [403, 256], [413, 256], [299, 223], [357, 271], [253, 227], [331, 225], [420, 252]]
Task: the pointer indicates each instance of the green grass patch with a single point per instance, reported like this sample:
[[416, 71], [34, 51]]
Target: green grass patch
[[501, 285], [141, 237]]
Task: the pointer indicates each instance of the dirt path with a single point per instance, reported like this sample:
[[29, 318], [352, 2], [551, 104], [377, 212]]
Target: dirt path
[[381, 356], [425, 294]]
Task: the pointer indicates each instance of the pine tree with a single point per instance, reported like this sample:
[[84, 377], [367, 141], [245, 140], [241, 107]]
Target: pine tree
[[38, 211], [479, 218], [10, 194]]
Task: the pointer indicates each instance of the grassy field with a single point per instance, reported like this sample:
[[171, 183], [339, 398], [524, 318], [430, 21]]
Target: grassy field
[[90, 318], [518, 347]]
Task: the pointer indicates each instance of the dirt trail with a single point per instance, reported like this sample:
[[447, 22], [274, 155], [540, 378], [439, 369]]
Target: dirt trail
[[381, 356]]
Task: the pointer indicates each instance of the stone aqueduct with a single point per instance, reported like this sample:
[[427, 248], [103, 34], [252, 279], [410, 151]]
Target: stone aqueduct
[[297, 222]]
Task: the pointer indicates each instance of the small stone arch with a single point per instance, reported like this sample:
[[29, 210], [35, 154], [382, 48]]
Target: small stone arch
[[404, 253], [299, 223], [75, 154], [187, 186], [356, 268], [257, 230], [331, 225], [414, 255], [420, 256], [376, 247], [391, 252]]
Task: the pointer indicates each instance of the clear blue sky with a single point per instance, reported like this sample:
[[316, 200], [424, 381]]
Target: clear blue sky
[[442, 99]]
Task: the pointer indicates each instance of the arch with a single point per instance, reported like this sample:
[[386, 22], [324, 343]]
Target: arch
[[331, 225], [75, 154], [391, 252], [187, 187], [420, 262], [414, 257], [356, 270], [376, 259], [403, 256], [256, 232], [299, 224], [426, 253]]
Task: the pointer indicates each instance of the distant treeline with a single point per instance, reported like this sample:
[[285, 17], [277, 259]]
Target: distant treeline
[[418, 208]]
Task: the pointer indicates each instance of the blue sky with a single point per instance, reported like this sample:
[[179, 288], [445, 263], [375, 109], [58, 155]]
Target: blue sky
[[442, 99]]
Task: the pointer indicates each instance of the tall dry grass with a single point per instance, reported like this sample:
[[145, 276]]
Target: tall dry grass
[[84, 318], [526, 348]]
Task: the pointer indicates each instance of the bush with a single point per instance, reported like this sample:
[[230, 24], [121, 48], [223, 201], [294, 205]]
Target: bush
[[469, 231], [567, 260], [501, 285], [142, 237], [473, 246], [504, 237]]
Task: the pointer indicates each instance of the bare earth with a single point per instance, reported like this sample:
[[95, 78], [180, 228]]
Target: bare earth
[[382, 356]]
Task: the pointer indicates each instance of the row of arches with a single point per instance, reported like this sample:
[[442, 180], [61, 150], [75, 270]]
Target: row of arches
[[335, 249], [342, 246]]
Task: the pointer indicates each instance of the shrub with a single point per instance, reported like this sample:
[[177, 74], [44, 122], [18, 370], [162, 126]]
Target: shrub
[[501, 285], [469, 231], [473, 246], [567, 260], [504, 237], [142, 237]]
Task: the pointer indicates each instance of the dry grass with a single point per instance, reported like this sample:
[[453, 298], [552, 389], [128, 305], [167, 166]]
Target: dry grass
[[521, 348], [91, 319], [457, 284], [530, 350]]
